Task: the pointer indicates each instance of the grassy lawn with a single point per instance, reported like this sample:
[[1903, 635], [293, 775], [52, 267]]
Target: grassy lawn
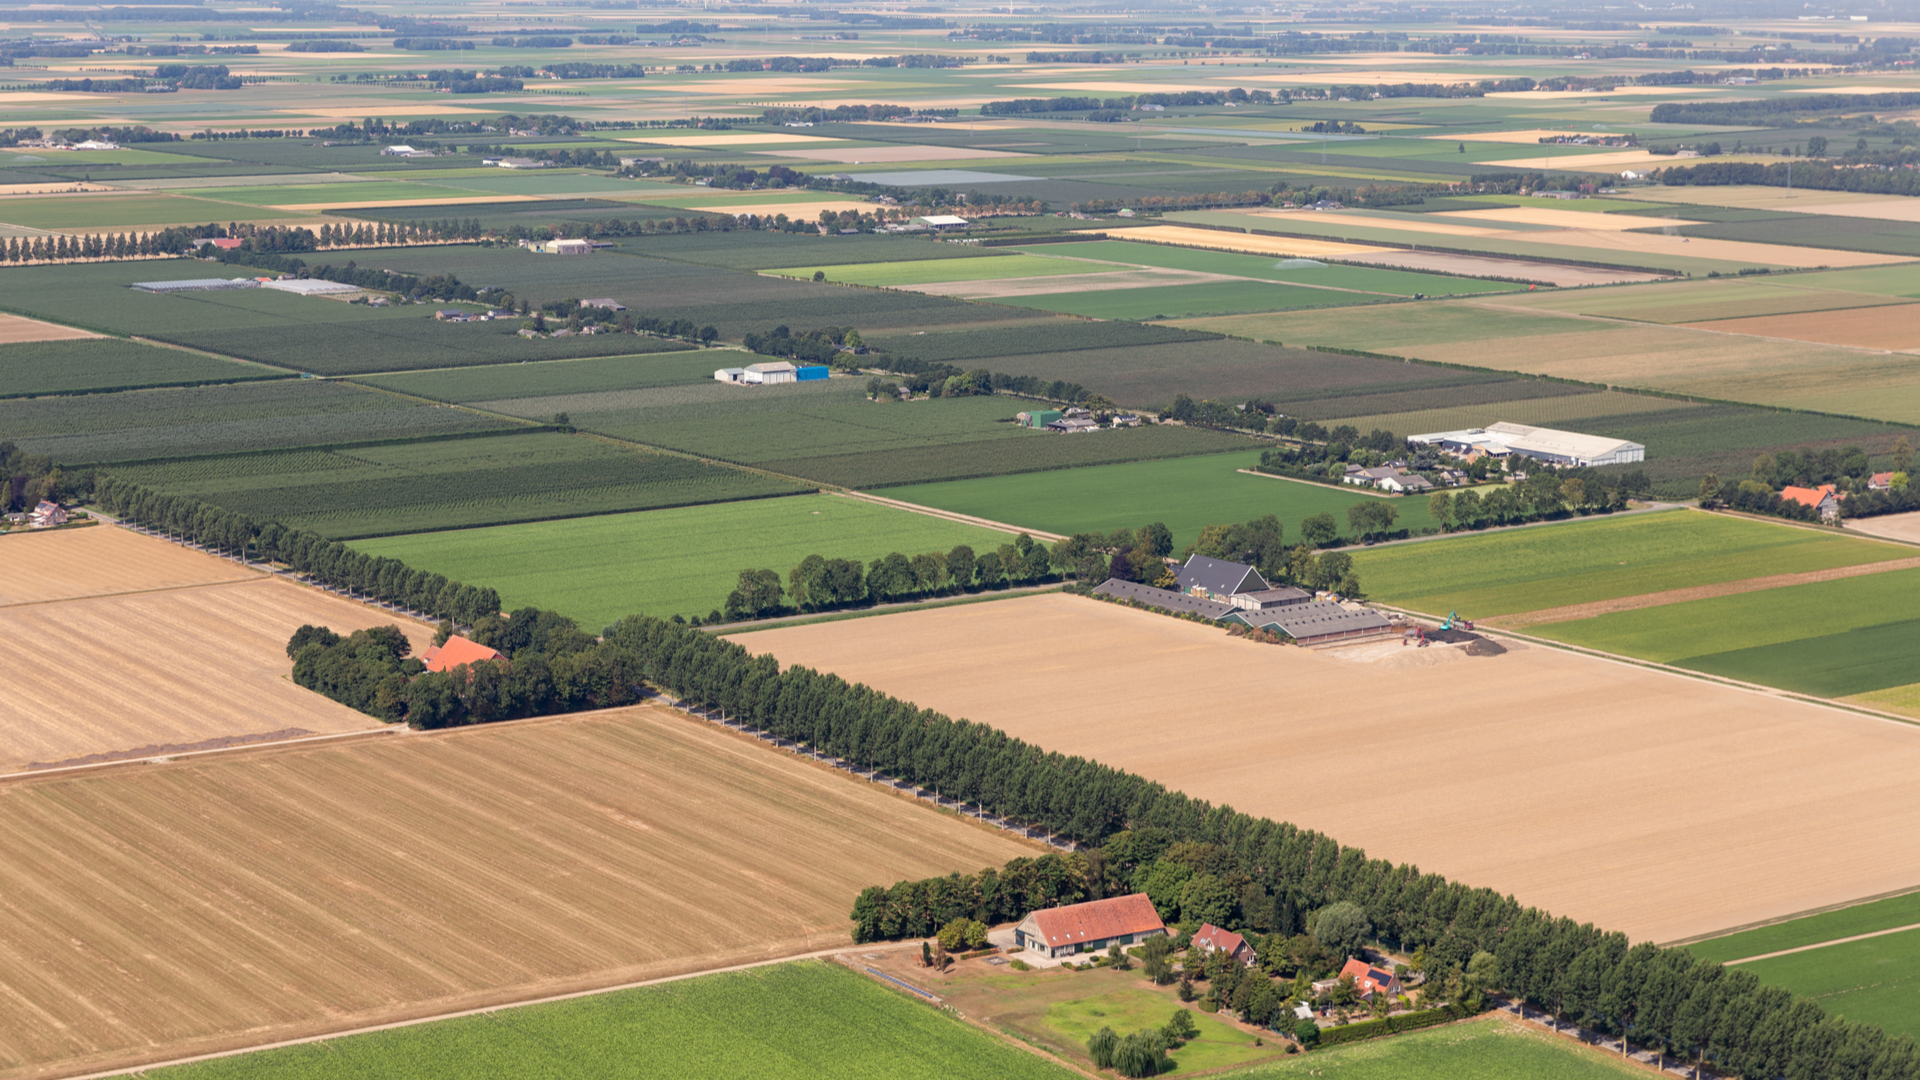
[[1490, 1049], [1602, 559], [1831, 638], [670, 562], [1827, 926], [1186, 494], [802, 1019], [925, 271], [1127, 1010]]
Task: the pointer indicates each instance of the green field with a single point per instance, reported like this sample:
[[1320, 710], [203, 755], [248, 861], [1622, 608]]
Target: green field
[[1489, 1049], [1580, 562], [1267, 268], [103, 364], [1187, 301], [136, 425], [831, 434], [925, 271], [671, 364], [452, 483], [1829, 638], [1813, 929], [1870, 982], [808, 1019], [671, 562], [1185, 494]]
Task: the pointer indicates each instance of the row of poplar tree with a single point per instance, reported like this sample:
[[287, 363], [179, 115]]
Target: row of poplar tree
[[323, 561], [1657, 996]]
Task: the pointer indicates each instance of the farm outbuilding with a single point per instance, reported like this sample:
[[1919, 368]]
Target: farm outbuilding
[[1543, 444], [310, 286], [1178, 603], [811, 372], [1090, 927], [195, 285], [1321, 622], [779, 371], [1038, 418], [1219, 579]]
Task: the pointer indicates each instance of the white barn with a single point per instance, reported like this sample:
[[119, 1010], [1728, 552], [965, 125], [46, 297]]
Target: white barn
[[1543, 444]]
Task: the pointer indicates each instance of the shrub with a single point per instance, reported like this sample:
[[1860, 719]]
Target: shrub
[[1020, 965]]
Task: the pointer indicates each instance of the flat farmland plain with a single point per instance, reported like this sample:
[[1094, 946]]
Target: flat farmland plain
[[1575, 784], [158, 912], [146, 643], [1893, 326]]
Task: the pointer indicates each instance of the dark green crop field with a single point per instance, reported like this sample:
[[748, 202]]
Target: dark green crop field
[[105, 364], [1829, 638], [670, 364], [136, 425], [455, 483], [959, 347], [832, 434], [747, 250]]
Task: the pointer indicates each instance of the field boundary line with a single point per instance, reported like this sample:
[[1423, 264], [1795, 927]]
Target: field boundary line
[[1762, 924], [1766, 582], [950, 515], [1655, 665], [264, 575], [131, 1070], [155, 759], [1822, 944]]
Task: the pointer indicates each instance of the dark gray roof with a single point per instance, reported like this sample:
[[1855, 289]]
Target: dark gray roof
[[1164, 599], [1219, 576], [1318, 618], [1277, 595]]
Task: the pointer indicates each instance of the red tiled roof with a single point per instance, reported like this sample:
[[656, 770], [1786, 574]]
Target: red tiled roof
[[457, 651], [1097, 920], [1225, 941], [1366, 977], [1807, 496]]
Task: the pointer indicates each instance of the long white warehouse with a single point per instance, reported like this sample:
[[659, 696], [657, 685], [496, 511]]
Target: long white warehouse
[[1543, 444]]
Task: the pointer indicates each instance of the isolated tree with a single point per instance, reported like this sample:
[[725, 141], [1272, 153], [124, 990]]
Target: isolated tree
[[1440, 508], [1319, 530]]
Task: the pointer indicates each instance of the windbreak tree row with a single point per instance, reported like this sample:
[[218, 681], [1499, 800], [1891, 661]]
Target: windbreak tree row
[[323, 561]]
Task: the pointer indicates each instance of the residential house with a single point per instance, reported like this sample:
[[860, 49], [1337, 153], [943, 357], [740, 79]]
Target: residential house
[[1212, 939], [1880, 481], [1126, 420], [48, 514], [1090, 927], [1392, 478], [1218, 579], [458, 650], [1825, 499], [1367, 980]]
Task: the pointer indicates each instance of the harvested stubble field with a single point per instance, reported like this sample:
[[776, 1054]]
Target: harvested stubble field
[[1893, 326], [208, 904], [148, 643], [1573, 783], [15, 329]]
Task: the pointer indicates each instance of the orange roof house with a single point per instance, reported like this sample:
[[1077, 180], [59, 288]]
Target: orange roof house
[[1213, 939], [1824, 498], [1090, 927], [457, 651], [1369, 980]]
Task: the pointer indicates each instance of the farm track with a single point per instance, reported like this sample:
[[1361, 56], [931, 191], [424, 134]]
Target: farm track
[[1698, 592], [948, 515]]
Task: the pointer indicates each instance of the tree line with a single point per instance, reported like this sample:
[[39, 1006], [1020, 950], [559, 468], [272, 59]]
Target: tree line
[[1657, 996], [824, 584], [325, 562], [1268, 872], [1821, 175]]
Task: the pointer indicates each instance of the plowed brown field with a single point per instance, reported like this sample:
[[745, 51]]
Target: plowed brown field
[[16, 328], [121, 641], [170, 909], [1894, 326], [1651, 803]]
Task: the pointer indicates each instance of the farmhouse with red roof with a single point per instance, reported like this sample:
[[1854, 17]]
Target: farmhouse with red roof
[[457, 651], [1212, 939], [1824, 498], [1090, 927], [1369, 980]]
